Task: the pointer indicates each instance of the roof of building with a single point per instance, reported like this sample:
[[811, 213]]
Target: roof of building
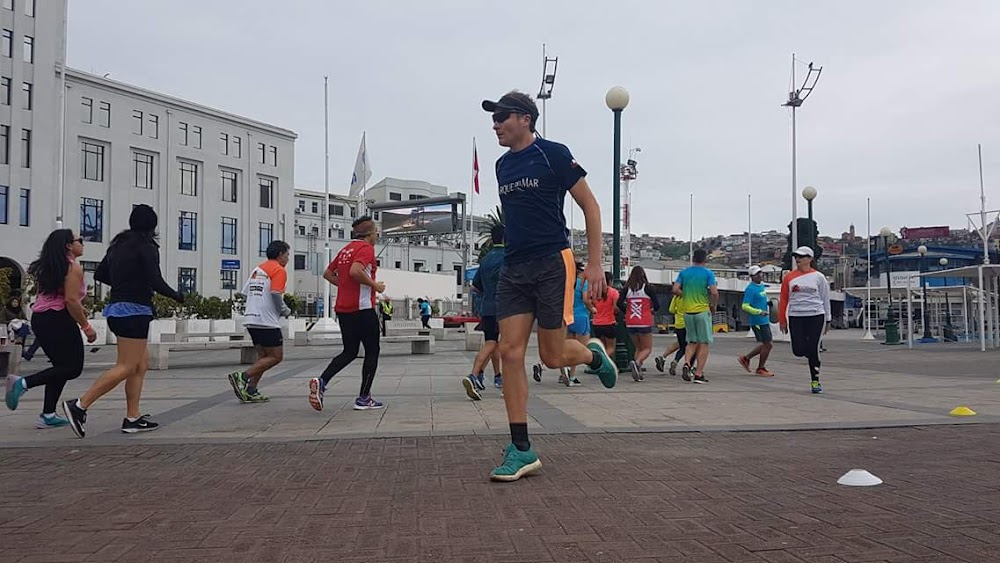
[[73, 74]]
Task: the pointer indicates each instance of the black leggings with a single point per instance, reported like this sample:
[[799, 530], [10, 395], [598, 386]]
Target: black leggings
[[682, 342], [357, 329], [60, 338], [806, 333], [425, 320]]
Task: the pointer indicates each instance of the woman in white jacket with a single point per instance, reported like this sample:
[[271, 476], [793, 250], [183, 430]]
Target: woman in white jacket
[[804, 310]]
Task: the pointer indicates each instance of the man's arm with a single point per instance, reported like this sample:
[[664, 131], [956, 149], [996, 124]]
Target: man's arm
[[593, 272], [713, 299], [331, 276], [359, 273]]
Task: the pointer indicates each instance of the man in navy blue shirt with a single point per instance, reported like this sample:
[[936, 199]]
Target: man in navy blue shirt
[[536, 282]]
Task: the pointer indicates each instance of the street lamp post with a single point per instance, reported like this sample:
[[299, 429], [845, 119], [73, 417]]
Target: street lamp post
[[891, 328], [927, 338], [809, 193], [947, 304], [795, 100], [617, 99]]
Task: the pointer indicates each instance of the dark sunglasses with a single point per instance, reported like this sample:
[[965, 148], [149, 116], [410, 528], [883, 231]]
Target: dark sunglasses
[[798, 256], [501, 116], [79, 240]]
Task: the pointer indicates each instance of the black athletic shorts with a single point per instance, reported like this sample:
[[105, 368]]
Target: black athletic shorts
[[491, 329], [762, 333], [542, 287], [130, 327], [266, 337], [603, 331]]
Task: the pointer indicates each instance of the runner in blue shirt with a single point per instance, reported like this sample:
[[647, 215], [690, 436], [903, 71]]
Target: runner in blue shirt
[[756, 307]]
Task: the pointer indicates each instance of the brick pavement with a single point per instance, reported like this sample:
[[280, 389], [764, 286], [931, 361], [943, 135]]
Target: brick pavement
[[717, 497]]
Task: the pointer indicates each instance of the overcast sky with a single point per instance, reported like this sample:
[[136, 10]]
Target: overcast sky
[[907, 91]]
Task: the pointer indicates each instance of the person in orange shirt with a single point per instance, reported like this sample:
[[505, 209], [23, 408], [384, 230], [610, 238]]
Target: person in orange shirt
[[603, 325], [265, 305]]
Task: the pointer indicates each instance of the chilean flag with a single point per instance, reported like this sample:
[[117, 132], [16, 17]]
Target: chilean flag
[[475, 167]]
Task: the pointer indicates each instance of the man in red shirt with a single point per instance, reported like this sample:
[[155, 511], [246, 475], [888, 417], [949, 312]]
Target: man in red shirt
[[353, 272]]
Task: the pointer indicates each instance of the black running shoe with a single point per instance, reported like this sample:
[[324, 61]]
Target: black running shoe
[[660, 362], [686, 373], [76, 416], [536, 373], [700, 379], [141, 425]]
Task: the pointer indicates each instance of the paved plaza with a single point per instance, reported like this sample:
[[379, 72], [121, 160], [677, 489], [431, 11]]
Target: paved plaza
[[659, 470]]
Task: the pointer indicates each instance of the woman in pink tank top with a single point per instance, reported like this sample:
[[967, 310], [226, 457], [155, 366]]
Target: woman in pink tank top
[[57, 319]]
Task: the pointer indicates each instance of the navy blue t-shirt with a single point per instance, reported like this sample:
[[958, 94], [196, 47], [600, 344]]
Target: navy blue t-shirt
[[533, 183]]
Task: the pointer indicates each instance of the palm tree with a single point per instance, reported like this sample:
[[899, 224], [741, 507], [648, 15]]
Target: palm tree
[[485, 240]]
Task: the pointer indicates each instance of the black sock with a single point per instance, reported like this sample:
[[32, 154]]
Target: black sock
[[595, 361], [519, 436], [251, 389]]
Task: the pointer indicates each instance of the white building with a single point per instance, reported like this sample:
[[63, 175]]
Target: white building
[[429, 255], [221, 184]]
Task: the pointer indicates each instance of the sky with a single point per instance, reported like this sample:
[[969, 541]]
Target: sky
[[908, 90]]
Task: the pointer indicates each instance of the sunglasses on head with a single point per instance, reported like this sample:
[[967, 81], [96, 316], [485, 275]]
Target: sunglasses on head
[[501, 116]]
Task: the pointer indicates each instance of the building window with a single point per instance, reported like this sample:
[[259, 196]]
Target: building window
[[340, 233], [265, 234], [230, 182], [5, 91], [228, 278], [26, 90], [143, 165], [439, 267], [29, 49], [183, 139], [337, 210], [187, 280], [301, 230], [189, 178], [136, 122], [4, 144], [272, 151], [4, 196], [300, 261], [187, 233], [418, 266], [7, 43], [29, 8], [266, 192], [458, 274], [398, 264], [302, 206], [154, 126], [196, 136], [25, 148], [104, 114], [262, 149], [92, 219], [93, 162], [25, 207], [315, 207], [228, 235], [224, 143], [237, 146], [393, 196], [88, 109]]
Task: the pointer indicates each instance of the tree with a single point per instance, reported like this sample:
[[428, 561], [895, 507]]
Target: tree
[[5, 275], [486, 240]]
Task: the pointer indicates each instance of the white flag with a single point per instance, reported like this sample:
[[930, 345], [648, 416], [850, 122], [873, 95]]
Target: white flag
[[362, 172]]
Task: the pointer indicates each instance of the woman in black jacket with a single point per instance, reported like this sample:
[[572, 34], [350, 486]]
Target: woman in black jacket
[[132, 268]]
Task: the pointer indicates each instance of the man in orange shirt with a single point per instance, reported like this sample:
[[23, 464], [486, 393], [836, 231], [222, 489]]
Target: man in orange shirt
[[265, 305]]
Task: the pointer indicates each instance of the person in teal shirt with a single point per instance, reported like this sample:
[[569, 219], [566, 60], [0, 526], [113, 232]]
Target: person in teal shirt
[[756, 307]]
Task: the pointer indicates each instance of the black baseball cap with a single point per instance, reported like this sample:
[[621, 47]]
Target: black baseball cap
[[512, 104]]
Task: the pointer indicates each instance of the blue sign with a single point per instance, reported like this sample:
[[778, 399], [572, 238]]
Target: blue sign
[[230, 264]]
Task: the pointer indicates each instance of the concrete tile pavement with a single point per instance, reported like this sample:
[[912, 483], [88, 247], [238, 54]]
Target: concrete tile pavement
[[866, 385]]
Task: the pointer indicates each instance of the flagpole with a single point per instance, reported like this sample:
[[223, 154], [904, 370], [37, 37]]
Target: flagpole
[[364, 186], [472, 196], [326, 188]]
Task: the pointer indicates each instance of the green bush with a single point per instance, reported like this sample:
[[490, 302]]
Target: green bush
[[293, 303], [5, 275]]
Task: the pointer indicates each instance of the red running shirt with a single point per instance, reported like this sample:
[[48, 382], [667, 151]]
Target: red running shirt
[[351, 295], [606, 309]]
